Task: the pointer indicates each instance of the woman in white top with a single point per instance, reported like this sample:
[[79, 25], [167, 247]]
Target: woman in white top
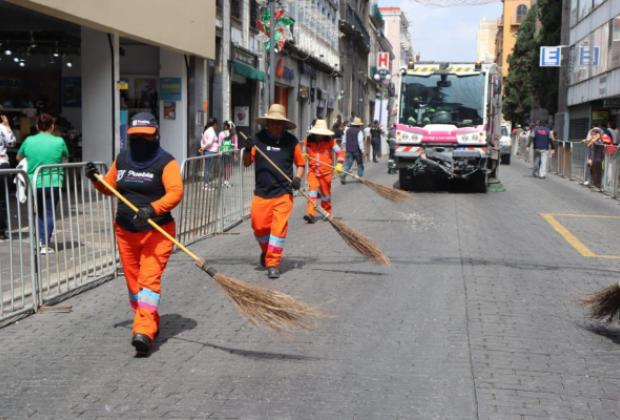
[[7, 139], [209, 146]]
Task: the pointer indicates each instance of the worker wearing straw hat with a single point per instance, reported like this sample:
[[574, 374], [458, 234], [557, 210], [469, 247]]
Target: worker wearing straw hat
[[320, 147], [353, 144], [149, 177], [273, 194]]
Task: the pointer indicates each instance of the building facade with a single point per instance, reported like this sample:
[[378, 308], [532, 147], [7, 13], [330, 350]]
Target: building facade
[[382, 75], [485, 41], [397, 33], [94, 65], [591, 64], [513, 13]]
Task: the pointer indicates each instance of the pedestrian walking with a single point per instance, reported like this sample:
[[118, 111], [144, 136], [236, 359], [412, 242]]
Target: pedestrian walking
[[273, 194], [595, 154], [209, 147], [367, 141], [44, 148], [542, 141], [321, 147], [150, 178], [337, 128], [353, 144], [7, 139], [228, 144], [375, 133]]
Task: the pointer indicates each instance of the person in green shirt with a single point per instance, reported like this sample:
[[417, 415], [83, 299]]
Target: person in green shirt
[[41, 149]]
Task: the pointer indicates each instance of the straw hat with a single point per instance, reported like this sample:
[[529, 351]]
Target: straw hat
[[276, 113], [320, 129], [357, 121]]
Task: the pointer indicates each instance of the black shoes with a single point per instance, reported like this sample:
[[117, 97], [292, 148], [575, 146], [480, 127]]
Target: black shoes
[[273, 272], [310, 219], [142, 344], [262, 260], [343, 181]]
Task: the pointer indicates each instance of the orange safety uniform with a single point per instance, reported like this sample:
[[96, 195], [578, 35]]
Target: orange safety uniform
[[320, 176], [273, 195], [144, 252]]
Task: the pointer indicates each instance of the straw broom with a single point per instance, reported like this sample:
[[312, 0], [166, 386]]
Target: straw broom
[[352, 237], [604, 304], [389, 193], [259, 305]]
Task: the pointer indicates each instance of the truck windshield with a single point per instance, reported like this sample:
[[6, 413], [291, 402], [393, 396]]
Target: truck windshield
[[442, 99]]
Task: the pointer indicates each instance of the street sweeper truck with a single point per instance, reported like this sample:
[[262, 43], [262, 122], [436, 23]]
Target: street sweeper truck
[[449, 117]]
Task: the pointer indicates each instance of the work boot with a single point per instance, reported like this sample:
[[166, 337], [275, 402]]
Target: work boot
[[262, 260], [343, 181], [273, 272], [310, 219], [142, 344]]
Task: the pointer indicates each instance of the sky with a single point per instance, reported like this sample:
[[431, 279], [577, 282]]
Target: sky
[[445, 33]]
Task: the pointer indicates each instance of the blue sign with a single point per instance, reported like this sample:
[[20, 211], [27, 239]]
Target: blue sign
[[589, 56], [550, 56], [170, 89]]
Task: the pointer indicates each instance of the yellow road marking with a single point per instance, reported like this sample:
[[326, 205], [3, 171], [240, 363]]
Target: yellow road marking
[[587, 216], [568, 236]]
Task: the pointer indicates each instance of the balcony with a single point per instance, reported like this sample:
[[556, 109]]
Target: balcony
[[354, 27]]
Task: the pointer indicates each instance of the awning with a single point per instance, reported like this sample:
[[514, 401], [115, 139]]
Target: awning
[[248, 71]]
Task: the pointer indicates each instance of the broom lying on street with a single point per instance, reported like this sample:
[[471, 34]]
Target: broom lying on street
[[389, 193], [259, 305], [352, 237], [604, 304]]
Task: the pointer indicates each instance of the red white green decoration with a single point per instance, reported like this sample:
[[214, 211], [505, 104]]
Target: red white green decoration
[[282, 26]]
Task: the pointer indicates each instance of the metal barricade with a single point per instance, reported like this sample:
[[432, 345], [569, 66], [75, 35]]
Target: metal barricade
[[231, 210], [18, 282], [247, 189], [565, 162], [609, 183], [554, 165], [579, 168], [76, 246]]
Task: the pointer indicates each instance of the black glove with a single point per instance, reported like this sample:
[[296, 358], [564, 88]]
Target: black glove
[[249, 143], [296, 183], [146, 212], [91, 170]]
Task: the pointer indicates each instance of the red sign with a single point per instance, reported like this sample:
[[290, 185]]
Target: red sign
[[383, 60]]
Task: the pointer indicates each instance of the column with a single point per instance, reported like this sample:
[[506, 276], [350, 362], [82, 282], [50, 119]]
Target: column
[[174, 133]]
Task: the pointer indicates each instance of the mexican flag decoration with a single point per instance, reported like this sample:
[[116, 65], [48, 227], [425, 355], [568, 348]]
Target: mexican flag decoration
[[282, 25]]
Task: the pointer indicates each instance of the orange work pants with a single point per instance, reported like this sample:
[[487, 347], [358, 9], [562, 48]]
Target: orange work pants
[[319, 187], [270, 224], [144, 256]]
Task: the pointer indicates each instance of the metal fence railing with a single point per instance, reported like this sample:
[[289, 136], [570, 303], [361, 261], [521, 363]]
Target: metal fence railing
[[75, 236], [218, 194], [60, 236], [570, 160], [17, 257]]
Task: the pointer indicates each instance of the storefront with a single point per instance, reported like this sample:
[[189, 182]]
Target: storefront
[[245, 76], [40, 71]]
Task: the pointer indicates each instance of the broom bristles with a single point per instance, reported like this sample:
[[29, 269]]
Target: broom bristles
[[265, 307], [359, 242], [389, 193], [604, 304]]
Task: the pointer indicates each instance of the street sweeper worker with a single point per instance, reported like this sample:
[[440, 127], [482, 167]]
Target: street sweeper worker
[[149, 177], [321, 149], [273, 194]]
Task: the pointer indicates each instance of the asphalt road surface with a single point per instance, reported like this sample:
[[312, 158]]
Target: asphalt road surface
[[475, 319]]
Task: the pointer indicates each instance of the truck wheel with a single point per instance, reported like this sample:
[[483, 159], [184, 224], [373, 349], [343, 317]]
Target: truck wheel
[[405, 179], [480, 182], [505, 159]]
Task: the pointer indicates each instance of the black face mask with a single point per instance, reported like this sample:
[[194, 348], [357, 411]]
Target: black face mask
[[142, 148]]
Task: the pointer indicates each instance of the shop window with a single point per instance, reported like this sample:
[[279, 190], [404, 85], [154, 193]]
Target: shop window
[[521, 12], [236, 9], [585, 6], [614, 43], [574, 7]]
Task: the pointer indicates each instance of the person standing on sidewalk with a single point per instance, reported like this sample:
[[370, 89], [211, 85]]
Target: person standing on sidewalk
[[353, 144], [595, 153], [7, 139], [228, 144], [273, 194], [321, 146], [41, 149], [375, 133], [542, 140], [151, 179], [210, 147]]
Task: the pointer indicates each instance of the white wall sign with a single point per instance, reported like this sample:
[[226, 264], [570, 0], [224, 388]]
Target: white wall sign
[[589, 56], [550, 56], [383, 61], [241, 116]]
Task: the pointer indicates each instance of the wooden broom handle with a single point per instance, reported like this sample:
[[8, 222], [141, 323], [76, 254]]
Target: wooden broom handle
[[331, 166], [199, 261]]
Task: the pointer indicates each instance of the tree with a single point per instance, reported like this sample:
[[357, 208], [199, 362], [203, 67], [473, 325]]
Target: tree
[[523, 62], [549, 13]]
